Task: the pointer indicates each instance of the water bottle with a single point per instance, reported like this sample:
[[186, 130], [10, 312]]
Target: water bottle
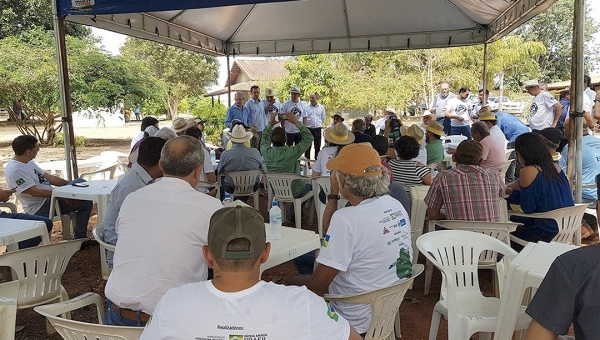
[[227, 201], [275, 221], [213, 157]]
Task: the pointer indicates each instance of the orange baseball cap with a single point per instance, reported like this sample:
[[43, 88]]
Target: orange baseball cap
[[354, 159]]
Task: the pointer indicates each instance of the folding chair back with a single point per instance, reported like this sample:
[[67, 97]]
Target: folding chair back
[[244, 184], [98, 232]]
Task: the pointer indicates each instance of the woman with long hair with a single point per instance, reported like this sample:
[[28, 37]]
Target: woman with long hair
[[542, 187]]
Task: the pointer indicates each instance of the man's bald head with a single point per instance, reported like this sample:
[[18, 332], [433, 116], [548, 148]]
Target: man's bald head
[[181, 156]]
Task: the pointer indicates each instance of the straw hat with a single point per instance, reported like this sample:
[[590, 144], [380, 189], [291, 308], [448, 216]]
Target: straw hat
[[435, 128], [338, 134], [414, 131], [531, 83], [181, 124], [238, 135], [486, 113], [269, 92], [390, 110]]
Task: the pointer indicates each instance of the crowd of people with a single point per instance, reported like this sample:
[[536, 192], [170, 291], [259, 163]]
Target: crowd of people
[[179, 252]]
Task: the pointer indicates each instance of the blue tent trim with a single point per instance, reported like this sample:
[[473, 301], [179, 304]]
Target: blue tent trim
[[99, 7]]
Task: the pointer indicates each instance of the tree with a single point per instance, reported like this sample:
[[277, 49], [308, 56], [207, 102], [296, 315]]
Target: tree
[[19, 16], [213, 114], [183, 73], [512, 55], [28, 70], [554, 29]]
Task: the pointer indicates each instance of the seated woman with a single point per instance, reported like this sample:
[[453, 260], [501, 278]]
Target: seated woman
[[336, 138], [542, 187], [405, 170]]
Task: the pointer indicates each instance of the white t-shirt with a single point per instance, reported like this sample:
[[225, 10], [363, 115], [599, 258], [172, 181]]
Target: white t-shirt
[[541, 115], [496, 133], [264, 311], [422, 156], [298, 110], [370, 245], [590, 94], [161, 229], [21, 176], [459, 107], [440, 104], [136, 139], [324, 156]]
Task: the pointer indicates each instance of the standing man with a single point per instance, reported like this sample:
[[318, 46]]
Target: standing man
[[458, 110], [161, 229], [34, 186], [545, 110], [296, 107], [136, 111], [314, 117], [439, 105], [258, 119], [270, 104], [237, 111], [483, 101]]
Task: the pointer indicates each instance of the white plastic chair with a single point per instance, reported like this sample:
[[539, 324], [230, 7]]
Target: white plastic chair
[[417, 215], [77, 330], [98, 232], [244, 183], [502, 168], [39, 271], [103, 172], [385, 305], [280, 188], [508, 152], [456, 253], [568, 220], [487, 259], [9, 292], [323, 183]]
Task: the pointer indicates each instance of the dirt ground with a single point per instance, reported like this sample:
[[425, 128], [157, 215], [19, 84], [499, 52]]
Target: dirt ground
[[83, 273]]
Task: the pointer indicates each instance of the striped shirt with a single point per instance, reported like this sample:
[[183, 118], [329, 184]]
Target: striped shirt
[[408, 172], [468, 193]]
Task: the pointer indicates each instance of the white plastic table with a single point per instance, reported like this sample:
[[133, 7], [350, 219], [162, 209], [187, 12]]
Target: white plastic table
[[293, 243], [13, 231], [526, 270], [94, 192], [61, 165]]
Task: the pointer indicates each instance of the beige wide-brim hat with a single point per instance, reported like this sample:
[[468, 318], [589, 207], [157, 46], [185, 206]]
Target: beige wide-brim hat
[[338, 134], [487, 113], [435, 128], [390, 110], [181, 124], [295, 89], [531, 83], [269, 92], [414, 131], [426, 113], [239, 134]]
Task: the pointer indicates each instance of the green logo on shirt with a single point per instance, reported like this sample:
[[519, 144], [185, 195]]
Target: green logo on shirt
[[20, 181]]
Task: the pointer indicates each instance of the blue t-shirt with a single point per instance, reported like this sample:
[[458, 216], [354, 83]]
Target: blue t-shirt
[[590, 164], [511, 126]]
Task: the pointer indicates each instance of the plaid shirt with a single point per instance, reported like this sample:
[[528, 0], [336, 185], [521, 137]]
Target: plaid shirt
[[468, 193]]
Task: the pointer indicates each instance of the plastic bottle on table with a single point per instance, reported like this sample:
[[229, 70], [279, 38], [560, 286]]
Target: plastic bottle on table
[[275, 221], [227, 201]]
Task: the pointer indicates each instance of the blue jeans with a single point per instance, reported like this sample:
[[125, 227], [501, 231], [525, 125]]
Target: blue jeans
[[32, 242], [83, 210], [446, 123], [112, 317], [461, 130], [293, 138], [305, 264]]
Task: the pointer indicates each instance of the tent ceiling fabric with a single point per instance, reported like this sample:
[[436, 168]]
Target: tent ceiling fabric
[[274, 28]]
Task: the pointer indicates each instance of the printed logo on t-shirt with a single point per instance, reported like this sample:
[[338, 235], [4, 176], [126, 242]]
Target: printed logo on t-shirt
[[403, 264], [20, 181], [460, 109], [332, 313], [325, 241], [273, 109], [296, 111], [534, 109], [236, 337], [385, 230], [41, 177]]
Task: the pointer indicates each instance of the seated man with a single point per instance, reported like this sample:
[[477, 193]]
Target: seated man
[[161, 228], [238, 158], [236, 297], [468, 192], [282, 158], [4, 196], [34, 185], [568, 295], [493, 149], [208, 170], [367, 245], [142, 173]]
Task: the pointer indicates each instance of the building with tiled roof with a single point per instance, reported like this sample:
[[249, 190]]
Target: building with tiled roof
[[246, 73]]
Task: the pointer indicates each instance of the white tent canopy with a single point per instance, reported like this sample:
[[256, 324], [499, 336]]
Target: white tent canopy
[[274, 28]]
